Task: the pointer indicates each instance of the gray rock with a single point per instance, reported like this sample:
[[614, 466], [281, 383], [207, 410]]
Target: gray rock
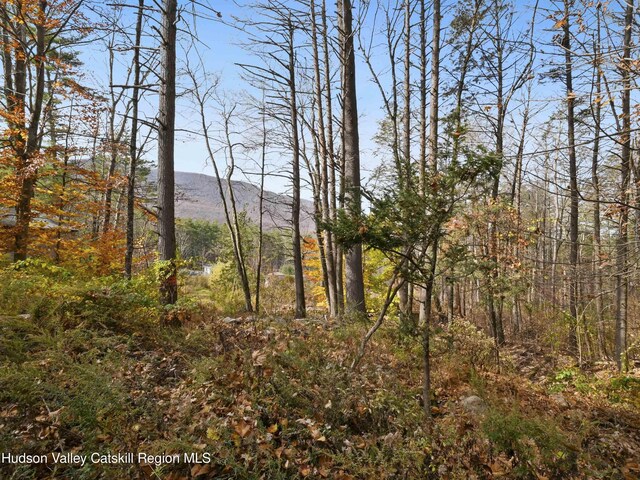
[[232, 320], [559, 400], [474, 404]]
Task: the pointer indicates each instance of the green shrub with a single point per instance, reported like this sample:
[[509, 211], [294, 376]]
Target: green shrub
[[624, 388], [531, 442]]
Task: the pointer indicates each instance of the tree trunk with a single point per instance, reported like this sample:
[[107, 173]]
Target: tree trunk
[[325, 236], [27, 173], [233, 220], [622, 247], [300, 306], [425, 305], [597, 239], [573, 186], [403, 293], [355, 299], [432, 166], [166, 174], [133, 145], [263, 161]]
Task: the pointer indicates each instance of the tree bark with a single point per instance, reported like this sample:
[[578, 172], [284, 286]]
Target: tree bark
[[355, 299], [427, 295], [133, 146], [432, 167], [597, 233], [166, 139], [622, 247], [325, 236], [300, 306], [573, 185], [403, 292], [27, 172]]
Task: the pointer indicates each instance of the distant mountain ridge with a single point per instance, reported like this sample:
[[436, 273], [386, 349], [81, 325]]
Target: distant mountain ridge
[[198, 197]]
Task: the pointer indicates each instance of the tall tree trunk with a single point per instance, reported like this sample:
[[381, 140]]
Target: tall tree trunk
[[333, 164], [622, 247], [497, 329], [27, 173], [597, 234], [233, 220], [228, 199], [113, 146], [432, 164], [573, 183], [263, 162], [115, 139], [133, 145], [425, 307], [355, 299], [403, 293], [300, 306], [325, 159], [166, 139]]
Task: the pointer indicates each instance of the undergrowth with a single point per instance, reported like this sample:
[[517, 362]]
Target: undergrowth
[[87, 366]]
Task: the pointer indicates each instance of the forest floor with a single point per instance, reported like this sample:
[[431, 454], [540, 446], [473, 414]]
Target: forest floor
[[276, 398]]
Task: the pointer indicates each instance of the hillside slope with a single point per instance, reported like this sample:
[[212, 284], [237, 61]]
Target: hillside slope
[[198, 197]]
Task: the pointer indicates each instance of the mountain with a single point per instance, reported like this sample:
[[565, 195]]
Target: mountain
[[198, 197]]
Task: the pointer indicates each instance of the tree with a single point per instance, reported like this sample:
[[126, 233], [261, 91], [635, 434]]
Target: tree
[[507, 65], [433, 242], [30, 30], [166, 138], [325, 152], [198, 240], [355, 301], [274, 36], [573, 178], [133, 143], [596, 106], [202, 97], [622, 247]]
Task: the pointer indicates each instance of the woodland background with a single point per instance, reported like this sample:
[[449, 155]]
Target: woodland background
[[442, 287]]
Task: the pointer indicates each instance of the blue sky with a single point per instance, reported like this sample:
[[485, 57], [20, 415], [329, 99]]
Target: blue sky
[[220, 48]]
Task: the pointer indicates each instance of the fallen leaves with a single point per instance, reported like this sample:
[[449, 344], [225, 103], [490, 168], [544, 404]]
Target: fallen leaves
[[259, 358], [199, 470], [242, 428], [310, 418]]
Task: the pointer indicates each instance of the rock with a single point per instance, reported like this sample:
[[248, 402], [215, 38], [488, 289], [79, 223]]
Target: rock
[[559, 400], [474, 404], [232, 320]]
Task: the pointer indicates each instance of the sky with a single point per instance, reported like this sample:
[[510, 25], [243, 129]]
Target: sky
[[220, 47]]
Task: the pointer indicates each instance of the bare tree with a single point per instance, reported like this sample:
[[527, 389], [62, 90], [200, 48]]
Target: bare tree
[[325, 145], [355, 300], [166, 139], [573, 178], [622, 247], [596, 105], [133, 143], [274, 35]]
